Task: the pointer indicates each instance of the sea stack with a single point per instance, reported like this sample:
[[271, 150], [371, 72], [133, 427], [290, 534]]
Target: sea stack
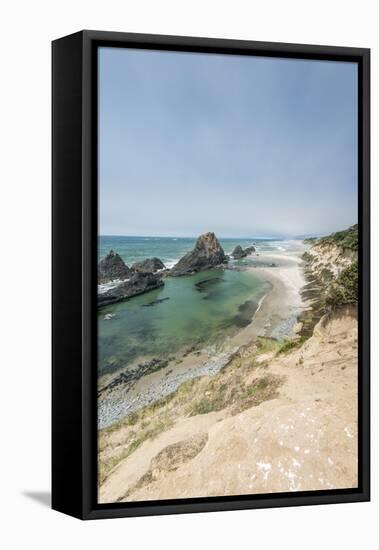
[[207, 253], [112, 268]]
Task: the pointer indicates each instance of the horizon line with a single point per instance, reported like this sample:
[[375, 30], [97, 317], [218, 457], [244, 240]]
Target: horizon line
[[271, 237]]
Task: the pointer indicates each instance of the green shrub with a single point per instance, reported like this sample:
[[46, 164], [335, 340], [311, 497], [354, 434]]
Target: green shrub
[[344, 290], [347, 239], [307, 257], [326, 274], [310, 240], [288, 345]]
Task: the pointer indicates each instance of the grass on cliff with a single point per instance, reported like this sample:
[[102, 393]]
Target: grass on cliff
[[241, 384], [329, 294], [307, 257], [237, 395], [325, 291], [344, 290], [310, 240], [347, 239], [288, 345]]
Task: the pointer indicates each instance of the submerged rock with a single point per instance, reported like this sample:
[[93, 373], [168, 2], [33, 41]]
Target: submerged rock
[[205, 285], [139, 283], [207, 253], [151, 265], [113, 267], [156, 302]]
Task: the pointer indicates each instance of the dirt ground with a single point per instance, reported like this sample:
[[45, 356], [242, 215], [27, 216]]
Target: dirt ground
[[303, 437]]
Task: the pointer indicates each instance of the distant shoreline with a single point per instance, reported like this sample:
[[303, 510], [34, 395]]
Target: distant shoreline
[[194, 237]]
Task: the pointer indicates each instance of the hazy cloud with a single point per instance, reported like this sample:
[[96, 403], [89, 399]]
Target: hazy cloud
[[244, 146]]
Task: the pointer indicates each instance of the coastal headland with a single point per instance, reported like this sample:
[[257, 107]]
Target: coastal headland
[[274, 410]]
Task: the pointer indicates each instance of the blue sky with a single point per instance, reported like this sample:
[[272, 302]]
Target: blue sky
[[242, 146]]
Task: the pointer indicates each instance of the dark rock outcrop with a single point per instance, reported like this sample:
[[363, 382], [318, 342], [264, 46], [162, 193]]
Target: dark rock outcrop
[[151, 265], [207, 253], [113, 267], [240, 252], [139, 283]]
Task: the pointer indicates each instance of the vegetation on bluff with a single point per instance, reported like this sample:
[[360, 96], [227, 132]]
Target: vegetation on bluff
[[346, 239], [332, 286], [344, 290], [241, 384], [310, 240]]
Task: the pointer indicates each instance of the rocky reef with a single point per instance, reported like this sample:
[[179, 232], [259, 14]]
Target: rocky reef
[[151, 265], [207, 253], [112, 268], [139, 283], [141, 277]]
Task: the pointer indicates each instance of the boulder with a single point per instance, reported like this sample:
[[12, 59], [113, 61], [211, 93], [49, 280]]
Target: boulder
[[151, 265], [207, 253], [239, 252], [113, 267], [139, 283]]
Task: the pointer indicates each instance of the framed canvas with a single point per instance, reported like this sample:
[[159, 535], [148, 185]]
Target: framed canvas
[[210, 275]]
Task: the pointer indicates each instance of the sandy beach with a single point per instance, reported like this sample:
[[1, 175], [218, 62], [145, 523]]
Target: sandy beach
[[281, 305]]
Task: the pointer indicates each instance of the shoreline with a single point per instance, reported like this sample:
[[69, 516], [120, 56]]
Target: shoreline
[[275, 317], [282, 302]]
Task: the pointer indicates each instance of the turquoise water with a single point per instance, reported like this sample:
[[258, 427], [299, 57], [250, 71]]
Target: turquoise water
[[193, 311], [188, 312]]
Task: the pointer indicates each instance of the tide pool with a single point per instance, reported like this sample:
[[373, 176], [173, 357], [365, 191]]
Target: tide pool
[[188, 312]]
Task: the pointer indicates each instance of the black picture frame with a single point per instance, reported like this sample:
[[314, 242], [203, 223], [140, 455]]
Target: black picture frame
[[74, 205]]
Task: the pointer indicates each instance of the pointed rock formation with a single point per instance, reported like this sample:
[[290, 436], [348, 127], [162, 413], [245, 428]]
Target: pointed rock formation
[[113, 267], [207, 253]]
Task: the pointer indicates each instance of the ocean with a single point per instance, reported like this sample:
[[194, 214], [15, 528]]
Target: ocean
[[171, 249], [188, 313]]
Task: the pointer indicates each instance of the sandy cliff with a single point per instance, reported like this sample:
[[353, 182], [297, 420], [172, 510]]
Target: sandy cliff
[[301, 436]]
